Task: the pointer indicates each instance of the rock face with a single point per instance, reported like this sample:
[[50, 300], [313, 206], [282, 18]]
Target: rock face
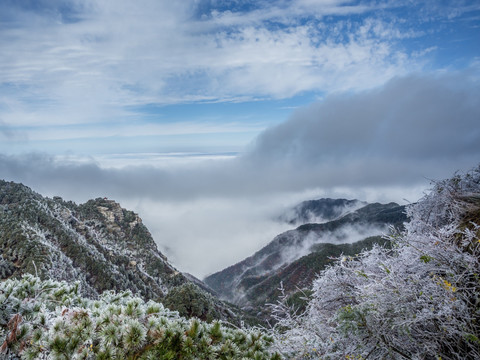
[[99, 244], [294, 258]]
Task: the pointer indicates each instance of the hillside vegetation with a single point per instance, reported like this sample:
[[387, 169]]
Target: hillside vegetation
[[417, 296], [294, 258], [419, 299], [99, 244], [51, 320]]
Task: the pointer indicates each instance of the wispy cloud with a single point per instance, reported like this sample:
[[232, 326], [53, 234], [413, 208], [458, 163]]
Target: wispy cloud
[[8, 133], [381, 144], [86, 63], [286, 12], [90, 70], [393, 135], [105, 130]]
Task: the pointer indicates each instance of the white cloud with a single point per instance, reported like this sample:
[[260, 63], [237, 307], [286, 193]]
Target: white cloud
[[393, 135], [138, 130], [379, 145], [287, 12], [412, 125], [206, 235], [119, 53], [92, 63]]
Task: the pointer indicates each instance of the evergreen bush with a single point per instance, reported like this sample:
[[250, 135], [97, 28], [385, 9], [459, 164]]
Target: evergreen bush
[[49, 319]]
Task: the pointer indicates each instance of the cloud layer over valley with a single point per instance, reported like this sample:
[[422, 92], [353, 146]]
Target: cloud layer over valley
[[211, 118], [392, 137]]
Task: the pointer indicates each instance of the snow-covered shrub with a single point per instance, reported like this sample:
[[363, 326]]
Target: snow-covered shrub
[[47, 319], [418, 300]]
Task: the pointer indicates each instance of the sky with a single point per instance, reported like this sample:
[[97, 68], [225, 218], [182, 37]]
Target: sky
[[209, 118]]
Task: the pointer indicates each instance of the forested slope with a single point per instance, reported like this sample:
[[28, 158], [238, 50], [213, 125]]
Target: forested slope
[[419, 299]]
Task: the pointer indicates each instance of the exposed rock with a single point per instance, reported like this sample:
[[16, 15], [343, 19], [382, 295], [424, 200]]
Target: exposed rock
[[99, 244]]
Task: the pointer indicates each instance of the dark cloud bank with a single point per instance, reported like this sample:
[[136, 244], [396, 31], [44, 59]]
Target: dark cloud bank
[[410, 129], [384, 141]]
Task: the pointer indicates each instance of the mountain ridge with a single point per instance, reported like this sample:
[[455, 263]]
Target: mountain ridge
[[98, 243], [257, 278], [109, 244], [319, 210]]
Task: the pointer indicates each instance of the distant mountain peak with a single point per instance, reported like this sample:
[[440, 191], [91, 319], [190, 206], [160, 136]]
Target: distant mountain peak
[[319, 210], [296, 256], [99, 244]]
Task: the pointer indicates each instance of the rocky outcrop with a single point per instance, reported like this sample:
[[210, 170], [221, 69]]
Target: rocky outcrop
[[99, 244]]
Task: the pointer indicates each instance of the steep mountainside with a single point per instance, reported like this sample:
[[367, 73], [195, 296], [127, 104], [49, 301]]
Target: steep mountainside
[[98, 243], [105, 246], [294, 257]]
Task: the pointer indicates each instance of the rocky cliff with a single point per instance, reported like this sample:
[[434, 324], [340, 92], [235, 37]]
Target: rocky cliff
[[98, 243]]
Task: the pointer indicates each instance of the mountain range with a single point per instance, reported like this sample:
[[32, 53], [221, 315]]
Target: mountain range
[[106, 247], [293, 259], [99, 244]]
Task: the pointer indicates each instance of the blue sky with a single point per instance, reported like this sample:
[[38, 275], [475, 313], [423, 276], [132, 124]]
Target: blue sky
[[187, 111], [185, 75]]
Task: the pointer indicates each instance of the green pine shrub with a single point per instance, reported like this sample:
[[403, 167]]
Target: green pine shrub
[[190, 301], [48, 319]]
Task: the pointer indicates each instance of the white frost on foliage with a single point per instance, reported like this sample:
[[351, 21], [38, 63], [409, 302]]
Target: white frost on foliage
[[418, 300], [51, 320], [63, 268]]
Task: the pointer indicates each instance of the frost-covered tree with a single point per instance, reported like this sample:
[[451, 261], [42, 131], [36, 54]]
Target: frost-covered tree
[[419, 299], [51, 320]]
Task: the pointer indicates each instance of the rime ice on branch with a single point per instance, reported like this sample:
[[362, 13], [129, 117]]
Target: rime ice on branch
[[49, 319], [418, 300]]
